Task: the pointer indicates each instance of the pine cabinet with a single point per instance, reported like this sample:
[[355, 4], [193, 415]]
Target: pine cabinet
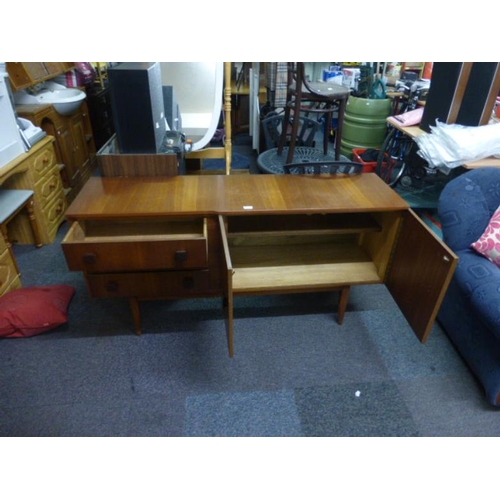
[[74, 143], [39, 171], [71, 140], [27, 74]]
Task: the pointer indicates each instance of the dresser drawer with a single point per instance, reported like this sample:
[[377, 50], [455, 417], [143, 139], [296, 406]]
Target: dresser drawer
[[102, 246], [54, 213], [163, 284], [43, 160], [47, 187]]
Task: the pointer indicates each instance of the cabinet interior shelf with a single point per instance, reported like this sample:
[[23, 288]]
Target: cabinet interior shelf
[[294, 253], [257, 268]]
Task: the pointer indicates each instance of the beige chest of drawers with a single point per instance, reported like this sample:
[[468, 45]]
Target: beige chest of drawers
[[39, 171]]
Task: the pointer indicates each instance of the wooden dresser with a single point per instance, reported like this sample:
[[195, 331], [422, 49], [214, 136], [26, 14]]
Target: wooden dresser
[[39, 171], [188, 236]]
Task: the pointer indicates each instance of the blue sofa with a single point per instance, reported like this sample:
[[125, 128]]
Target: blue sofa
[[470, 313]]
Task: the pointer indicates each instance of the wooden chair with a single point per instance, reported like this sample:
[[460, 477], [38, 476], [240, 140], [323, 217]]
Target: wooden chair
[[312, 97], [12, 201], [324, 167]]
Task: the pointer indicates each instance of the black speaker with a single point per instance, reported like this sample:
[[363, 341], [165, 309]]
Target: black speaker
[[172, 111], [461, 92], [480, 94], [137, 104]]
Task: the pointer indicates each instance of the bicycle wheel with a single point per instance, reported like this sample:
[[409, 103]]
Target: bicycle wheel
[[391, 158]]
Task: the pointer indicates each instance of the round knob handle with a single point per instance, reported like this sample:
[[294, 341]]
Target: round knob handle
[[181, 256]]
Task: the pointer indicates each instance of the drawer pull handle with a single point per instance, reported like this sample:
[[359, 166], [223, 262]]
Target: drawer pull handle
[[181, 256], [111, 286], [89, 258]]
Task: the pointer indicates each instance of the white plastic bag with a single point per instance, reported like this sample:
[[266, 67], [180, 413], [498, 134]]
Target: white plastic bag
[[451, 145]]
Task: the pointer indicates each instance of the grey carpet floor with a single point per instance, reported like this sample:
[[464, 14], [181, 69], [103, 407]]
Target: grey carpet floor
[[296, 372]]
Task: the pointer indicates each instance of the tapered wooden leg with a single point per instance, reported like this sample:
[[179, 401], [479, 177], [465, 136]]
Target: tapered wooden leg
[[230, 328], [344, 298], [34, 224], [227, 304], [136, 314]]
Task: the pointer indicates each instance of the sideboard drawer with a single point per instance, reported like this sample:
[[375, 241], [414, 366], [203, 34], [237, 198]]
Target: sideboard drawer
[[163, 284], [132, 245]]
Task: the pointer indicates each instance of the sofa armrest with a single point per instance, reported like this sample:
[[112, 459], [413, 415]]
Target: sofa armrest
[[466, 205], [474, 271]]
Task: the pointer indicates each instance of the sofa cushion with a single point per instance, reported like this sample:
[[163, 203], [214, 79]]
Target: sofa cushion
[[479, 280], [488, 243], [32, 310]]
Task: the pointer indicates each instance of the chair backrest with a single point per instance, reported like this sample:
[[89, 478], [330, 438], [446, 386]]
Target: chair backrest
[[324, 167], [272, 127]]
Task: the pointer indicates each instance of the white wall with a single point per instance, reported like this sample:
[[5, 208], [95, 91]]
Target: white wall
[[198, 89]]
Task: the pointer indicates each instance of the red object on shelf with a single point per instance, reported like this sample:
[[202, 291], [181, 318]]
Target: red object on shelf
[[368, 166]]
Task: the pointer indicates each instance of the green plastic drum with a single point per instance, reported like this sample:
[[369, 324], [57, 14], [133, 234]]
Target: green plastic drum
[[365, 124]]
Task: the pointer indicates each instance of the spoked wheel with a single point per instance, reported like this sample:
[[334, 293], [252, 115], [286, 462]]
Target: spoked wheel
[[391, 159]]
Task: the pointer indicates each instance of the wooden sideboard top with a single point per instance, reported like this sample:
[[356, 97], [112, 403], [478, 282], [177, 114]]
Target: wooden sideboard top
[[111, 197]]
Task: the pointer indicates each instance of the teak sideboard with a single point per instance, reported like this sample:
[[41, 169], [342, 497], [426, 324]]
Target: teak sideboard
[[192, 236]]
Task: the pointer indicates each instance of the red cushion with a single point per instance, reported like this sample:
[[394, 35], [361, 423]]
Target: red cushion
[[32, 310]]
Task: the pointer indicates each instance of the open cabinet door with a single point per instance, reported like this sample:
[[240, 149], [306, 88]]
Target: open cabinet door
[[227, 283], [419, 275]]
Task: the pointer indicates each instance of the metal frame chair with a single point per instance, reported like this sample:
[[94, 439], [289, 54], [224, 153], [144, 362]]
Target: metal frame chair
[[324, 167], [272, 126]]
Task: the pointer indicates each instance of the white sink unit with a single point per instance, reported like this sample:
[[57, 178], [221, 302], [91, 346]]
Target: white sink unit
[[66, 101]]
